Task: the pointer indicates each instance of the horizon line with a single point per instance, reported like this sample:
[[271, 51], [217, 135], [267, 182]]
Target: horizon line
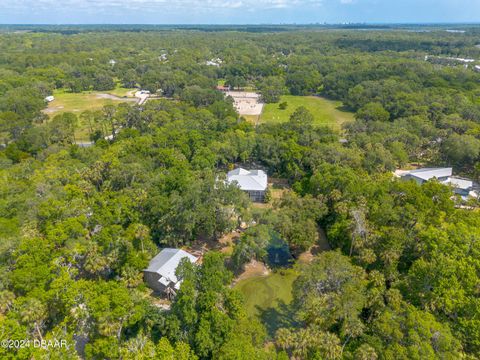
[[250, 24]]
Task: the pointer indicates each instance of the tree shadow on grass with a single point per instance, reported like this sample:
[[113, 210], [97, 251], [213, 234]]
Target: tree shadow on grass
[[343, 108], [277, 317]]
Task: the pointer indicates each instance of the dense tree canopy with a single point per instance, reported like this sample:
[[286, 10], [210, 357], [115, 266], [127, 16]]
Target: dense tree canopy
[[79, 224]]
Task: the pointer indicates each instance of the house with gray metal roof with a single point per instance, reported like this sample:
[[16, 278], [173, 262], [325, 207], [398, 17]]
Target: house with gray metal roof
[[160, 274], [253, 182]]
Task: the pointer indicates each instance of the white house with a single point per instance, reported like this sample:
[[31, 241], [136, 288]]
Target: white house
[[254, 182], [425, 174], [462, 187], [160, 274]]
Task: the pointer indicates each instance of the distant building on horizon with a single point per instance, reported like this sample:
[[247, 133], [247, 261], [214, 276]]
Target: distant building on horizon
[[253, 182]]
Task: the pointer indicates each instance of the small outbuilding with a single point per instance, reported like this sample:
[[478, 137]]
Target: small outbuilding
[[160, 274], [223, 88], [253, 182]]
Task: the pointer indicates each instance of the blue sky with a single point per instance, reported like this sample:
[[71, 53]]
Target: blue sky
[[236, 11]]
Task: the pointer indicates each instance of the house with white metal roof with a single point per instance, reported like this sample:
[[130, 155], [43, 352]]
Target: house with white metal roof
[[423, 175], [253, 182], [462, 187], [160, 274]]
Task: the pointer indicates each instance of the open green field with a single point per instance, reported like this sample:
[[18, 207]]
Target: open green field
[[87, 100], [326, 112], [267, 297]]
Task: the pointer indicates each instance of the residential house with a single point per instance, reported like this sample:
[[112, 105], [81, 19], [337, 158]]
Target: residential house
[[160, 274], [253, 182], [423, 175], [462, 187]]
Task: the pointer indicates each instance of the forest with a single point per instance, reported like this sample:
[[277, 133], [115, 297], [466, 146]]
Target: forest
[[79, 224]]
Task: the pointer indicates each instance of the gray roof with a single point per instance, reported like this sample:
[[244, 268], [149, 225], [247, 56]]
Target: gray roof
[[166, 262], [248, 180], [430, 173], [459, 183]]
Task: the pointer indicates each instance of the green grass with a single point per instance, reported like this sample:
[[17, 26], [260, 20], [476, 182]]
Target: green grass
[[79, 102], [268, 298], [325, 112], [120, 91], [264, 292], [251, 118]]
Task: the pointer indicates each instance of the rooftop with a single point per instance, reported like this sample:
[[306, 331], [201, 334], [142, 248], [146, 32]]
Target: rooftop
[[248, 180], [166, 262], [459, 183], [429, 173]]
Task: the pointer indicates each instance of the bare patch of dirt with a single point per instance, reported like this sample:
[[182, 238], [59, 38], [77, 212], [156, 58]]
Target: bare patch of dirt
[[227, 241], [113, 97], [53, 109], [224, 244], [253, 269]]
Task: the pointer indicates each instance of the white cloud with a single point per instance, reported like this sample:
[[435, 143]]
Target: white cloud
[[153, 4]]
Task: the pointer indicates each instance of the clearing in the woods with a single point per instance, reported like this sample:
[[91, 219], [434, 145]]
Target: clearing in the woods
[[325, 112], [87, 100], [268, 297]]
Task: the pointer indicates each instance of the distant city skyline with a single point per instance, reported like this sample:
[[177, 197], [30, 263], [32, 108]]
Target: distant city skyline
[[237, 11]]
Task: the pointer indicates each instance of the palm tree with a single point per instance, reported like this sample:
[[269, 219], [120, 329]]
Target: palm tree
[[34, 312]]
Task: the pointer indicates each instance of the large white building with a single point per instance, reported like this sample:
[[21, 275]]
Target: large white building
[[253, 182], [462, 187], [425, 174]]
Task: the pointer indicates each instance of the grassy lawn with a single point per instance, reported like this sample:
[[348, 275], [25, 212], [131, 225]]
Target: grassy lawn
[[88, 100], [268, 297], [79, 102], [121, 92], [326, 112], [251, 118]]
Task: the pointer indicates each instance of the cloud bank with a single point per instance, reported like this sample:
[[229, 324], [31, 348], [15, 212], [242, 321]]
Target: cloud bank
[[237, 11]]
